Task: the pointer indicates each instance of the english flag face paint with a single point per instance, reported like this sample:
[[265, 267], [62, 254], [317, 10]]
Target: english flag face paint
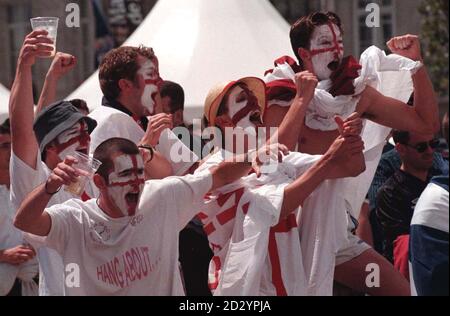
[[126, 182], [73, 139], [152, 80], [243, 107], [327, 50]]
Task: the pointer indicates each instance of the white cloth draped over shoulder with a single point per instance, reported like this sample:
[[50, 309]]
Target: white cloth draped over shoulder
[[323, 223]]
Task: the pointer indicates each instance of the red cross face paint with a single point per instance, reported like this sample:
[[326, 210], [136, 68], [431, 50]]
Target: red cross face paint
[[126, 183], [152, 80], [243, 108], [327, 50], [73, 139]]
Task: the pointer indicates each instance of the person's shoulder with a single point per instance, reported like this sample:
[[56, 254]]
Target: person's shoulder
[[105, 114], [441, 181], [392, 184], [72, 205], [432, 207]]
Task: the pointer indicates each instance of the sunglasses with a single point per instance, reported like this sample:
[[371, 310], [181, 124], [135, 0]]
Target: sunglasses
[[422, 147]]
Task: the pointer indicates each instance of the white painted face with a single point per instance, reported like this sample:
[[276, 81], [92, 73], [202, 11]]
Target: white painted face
[[126, 182], [238, 100], [150, 73], [327, 50], [73, 139]]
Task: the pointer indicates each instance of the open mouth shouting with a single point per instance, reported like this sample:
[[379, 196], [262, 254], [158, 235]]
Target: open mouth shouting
[[334, 65], [126, 182], [132, 200]]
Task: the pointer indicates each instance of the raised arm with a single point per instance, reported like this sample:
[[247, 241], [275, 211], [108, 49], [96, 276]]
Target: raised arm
[[156, 166], [24, 144], [61, 65], [423, 117], [290, 128], [31, 216], [332, 165]]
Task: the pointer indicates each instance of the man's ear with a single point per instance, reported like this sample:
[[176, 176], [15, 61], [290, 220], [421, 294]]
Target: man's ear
[[125, 85], [99, 182], [304, 54], [224, 121]]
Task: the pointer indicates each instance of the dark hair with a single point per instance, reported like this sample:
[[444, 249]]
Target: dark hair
[[121, 63], [176, 94], [400, 137], [5, 128], [80, 105], [302, 30], [108, 148], [445, 126]]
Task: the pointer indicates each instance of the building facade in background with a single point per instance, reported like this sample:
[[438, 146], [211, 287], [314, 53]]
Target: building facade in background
[[15, 24], [107, 23]]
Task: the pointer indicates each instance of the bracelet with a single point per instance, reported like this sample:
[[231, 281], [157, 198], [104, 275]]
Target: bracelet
[[150, 148], [50, 193]]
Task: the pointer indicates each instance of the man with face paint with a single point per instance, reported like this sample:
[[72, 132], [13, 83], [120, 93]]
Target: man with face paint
[[59, 130], [342, 90], [130, 82], [233, 215], [126, 241]]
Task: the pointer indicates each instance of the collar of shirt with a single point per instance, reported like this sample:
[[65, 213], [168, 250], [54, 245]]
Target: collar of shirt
[[142, 121]]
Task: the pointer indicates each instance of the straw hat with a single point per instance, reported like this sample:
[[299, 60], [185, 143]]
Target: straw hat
[[217, 93]]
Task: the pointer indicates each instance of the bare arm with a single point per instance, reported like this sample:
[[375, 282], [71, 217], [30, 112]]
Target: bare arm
[[274, 115], [355, 164], [330, 166], [292, 122], [24, 144], [61, 65], [31, 216], [158, 167], [421, 118]]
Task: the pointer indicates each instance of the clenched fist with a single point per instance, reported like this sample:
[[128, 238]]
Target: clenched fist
[[306, 83], [62, 64], [407, 46]]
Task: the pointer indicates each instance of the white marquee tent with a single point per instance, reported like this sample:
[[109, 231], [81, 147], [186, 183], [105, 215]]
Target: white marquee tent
[[200, 43], [4, 103]]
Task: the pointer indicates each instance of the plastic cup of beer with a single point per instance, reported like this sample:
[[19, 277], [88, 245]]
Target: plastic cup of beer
[[88, 166], [50, 24]]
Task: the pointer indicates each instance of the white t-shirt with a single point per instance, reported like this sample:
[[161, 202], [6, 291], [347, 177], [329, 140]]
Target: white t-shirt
[[130, 255], [114, 123], [25, 179], [11, 237]]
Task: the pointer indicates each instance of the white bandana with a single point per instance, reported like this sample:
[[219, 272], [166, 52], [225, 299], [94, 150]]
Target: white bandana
[[324, 107]]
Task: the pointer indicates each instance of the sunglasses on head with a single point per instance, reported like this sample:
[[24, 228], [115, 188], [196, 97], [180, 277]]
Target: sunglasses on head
[[422, 147]]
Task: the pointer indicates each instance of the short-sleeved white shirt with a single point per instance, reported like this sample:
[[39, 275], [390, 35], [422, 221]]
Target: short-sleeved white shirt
[[135, 255]]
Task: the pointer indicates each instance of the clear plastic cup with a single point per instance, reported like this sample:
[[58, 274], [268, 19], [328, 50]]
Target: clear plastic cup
[[50, 24], [87, 164]]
